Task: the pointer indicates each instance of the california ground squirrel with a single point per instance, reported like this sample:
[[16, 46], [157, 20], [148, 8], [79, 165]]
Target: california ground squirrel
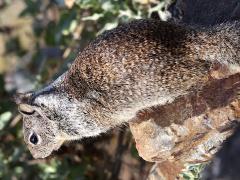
[[124, 71]]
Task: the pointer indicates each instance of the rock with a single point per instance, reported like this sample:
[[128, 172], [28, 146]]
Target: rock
[[226, 163], [191, 128], [205, 12]]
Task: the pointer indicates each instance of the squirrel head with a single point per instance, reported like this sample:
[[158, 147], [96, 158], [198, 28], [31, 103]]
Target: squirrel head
[[51, 117], [41, 134]]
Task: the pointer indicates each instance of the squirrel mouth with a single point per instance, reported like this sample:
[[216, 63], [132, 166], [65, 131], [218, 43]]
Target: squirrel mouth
[[43, 153], [40, 155]]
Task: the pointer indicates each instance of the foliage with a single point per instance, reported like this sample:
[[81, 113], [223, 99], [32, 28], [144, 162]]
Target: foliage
[[193, 171]]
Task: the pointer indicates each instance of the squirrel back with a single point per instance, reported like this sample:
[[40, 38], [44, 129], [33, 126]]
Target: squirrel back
[[147, 63]]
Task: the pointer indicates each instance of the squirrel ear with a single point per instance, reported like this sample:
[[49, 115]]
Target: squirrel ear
[[26, 109], [22, 98]]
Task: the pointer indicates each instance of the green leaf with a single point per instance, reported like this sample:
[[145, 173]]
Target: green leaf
[[70, 29], [87, 4], [4, 118], [107, 6], [67, 23], [156, 8], [108, 26], [93, 17], [32, 8]]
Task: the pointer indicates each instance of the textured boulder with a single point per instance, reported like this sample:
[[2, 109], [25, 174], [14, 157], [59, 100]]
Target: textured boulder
[[205, 12], [226, 162], [191, 128]]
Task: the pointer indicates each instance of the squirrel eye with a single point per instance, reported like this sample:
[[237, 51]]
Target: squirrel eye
[[34, 139]]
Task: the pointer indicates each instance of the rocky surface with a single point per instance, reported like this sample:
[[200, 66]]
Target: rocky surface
[[226, 163], [205, 12], [190, 129]]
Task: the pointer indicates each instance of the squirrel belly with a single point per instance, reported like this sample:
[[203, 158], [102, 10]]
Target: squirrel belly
[[135, 66]]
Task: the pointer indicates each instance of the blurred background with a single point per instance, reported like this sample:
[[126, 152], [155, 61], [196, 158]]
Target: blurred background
[[38, 41]]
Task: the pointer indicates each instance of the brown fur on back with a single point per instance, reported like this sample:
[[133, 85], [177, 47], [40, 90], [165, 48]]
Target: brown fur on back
[[140, 62]]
